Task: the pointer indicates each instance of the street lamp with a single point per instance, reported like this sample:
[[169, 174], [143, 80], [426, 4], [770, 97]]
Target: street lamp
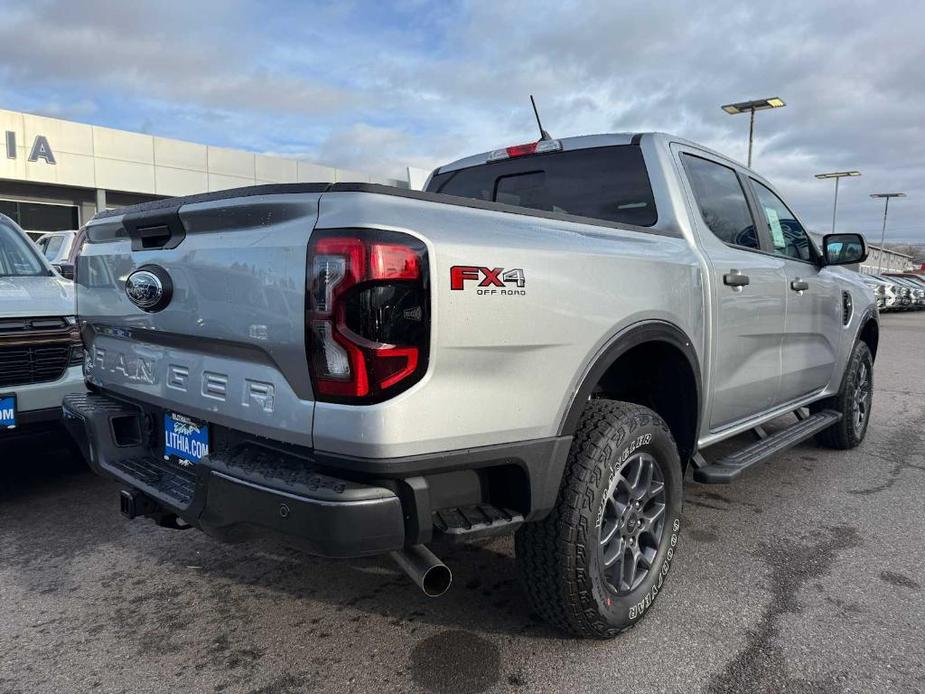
[[750, 107], [837, 175], [886, 208]]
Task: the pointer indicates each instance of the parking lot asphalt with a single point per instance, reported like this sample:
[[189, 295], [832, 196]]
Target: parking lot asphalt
[[803, 576]]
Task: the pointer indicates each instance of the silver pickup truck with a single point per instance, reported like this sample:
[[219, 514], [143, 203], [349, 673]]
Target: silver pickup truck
[[544, 341]]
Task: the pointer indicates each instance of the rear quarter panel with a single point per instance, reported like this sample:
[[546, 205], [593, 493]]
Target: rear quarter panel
[[503, 367]]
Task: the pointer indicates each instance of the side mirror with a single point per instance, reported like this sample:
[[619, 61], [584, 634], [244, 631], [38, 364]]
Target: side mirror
[[66, 270], [844, 249]]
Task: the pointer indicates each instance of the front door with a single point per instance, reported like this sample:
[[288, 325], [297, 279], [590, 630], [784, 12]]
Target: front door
[[813, 328]]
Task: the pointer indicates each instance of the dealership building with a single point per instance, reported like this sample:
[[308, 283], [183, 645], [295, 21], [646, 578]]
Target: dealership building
[[886, 260], [56, 174]]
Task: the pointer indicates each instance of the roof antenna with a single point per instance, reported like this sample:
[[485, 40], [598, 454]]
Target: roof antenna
[[543, 134]]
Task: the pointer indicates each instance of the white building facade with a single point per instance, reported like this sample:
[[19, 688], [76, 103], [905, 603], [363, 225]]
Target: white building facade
[[886, 260]]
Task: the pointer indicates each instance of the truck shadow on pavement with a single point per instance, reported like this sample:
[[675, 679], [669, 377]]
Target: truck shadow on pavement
[[485, 591], [31, 460], [68, 557], [55, 512]]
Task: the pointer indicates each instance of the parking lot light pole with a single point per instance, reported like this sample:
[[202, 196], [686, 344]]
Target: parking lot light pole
[[750, 107], [837, 175], [886, 208]]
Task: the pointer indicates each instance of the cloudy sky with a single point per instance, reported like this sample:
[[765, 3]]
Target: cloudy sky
[[380, 85]]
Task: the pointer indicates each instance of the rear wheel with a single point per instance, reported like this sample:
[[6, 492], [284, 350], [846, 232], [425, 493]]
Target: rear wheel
[[597, 562], [853, 401]]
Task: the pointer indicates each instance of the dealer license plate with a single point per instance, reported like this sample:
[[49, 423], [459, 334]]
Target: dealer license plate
[[185, 439], [7, 411]]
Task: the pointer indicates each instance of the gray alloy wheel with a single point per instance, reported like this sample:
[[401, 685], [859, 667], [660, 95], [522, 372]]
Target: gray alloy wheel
[[861, 398], [633, 523]]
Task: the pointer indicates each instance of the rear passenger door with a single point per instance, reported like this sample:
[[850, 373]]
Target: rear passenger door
[[748, 291], [813, 327]]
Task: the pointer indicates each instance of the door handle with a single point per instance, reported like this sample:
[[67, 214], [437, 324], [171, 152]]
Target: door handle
[[734, 278], [799, 285]]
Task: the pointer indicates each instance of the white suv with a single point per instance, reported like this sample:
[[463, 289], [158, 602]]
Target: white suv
[[40, 348]]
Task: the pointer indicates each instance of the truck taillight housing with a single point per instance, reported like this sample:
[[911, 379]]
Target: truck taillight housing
[[367, 314]]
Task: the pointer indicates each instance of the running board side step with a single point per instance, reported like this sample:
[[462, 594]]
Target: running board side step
[[727, 469]]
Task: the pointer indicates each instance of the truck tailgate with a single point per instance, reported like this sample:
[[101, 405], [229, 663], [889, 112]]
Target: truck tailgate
[[229, 344]]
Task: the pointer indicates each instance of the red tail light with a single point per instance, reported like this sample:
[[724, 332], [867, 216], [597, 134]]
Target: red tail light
[[368, 314]]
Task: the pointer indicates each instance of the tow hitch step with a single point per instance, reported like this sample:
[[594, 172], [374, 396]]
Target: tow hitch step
[[727, 469], [134, 504], [479, 520]]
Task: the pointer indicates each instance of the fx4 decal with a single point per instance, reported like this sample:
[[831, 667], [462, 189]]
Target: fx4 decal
[[487, 278]]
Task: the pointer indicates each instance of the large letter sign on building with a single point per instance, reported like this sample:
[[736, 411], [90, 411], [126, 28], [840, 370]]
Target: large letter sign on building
[[41, 150]]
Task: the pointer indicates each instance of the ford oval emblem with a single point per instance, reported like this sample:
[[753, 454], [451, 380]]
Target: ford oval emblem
[[149, 288]]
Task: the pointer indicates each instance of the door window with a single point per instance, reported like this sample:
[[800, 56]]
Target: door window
[[52, 246], [788, 235], [721, 201]]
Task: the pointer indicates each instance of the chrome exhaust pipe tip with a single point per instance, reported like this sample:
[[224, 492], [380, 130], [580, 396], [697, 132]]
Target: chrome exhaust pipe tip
[[430, 574]]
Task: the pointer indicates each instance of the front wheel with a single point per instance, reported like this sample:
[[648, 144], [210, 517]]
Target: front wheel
[[853, 401], [596, 563]]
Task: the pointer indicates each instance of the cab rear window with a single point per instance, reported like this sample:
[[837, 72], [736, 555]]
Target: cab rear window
[[608, 183]]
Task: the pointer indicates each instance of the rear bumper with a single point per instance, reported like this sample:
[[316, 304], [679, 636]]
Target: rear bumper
[[331, 506], [239, 493]]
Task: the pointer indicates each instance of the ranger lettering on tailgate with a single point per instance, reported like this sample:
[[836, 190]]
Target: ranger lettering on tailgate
[[137, 369]]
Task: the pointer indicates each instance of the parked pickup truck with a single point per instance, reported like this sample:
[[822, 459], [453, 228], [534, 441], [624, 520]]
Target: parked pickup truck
[[543, 341], [40, 347]]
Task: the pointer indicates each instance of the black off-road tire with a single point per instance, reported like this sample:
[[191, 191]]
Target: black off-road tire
[[561, 560], [847, 433]]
